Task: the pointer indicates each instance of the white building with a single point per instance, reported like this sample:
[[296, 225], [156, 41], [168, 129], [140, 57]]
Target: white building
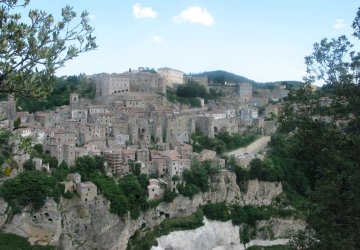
[[171, 76]]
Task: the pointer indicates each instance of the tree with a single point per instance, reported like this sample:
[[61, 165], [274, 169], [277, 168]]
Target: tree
[[325, 125], [33, 48]]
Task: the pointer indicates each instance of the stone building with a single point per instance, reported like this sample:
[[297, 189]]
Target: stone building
[[154, 189], [87, 191], [179, 128], [115, 163], [201, 80], [172, 77], [142, 154], [245, 92], [59, 138], [111, 84], [146, 81], [211, 126], [79, 115]]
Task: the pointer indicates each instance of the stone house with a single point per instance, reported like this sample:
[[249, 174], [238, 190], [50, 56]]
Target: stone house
[[154, 190], [111, 84], [185, 150], [179, 128], [87, 191], [142, 154], [45, 119], [79, 115], [245, 92]]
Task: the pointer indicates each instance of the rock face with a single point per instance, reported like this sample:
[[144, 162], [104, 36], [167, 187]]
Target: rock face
[[224, 236], [74, 224], [3, 210], [261, 192], [209, 236], [42, 227], [278, 228]]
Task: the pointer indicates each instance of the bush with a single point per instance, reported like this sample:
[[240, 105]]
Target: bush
[[12, 241], [169, 195], [30, 187], [216, 211], [189, 190]]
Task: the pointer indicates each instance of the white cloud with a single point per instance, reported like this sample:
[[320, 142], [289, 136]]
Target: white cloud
[[142, 12], [157, 39], [339, 24], [195, 15]]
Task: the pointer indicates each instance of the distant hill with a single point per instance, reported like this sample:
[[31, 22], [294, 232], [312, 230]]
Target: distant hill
[[289, 84], [220, 77]]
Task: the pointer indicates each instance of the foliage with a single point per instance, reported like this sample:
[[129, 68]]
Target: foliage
[[191, 101], [38, 149], [60, 172], [192, 90], [198, 176], [135, 194], [88, 165], [220, 76], [188, 190], [216, 211], [221, 143], [167, 226], [169, 195], [12, 241], [128, 195], [110, 189], [265, 170], [60, 94], [196, 180], [30, 187], [325, 125], [52, 160], [33, 48], [29, 165], [275, 247], [250, 214]]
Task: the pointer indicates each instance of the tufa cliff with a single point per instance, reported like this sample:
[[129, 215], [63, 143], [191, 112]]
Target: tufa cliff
[[89, 225]]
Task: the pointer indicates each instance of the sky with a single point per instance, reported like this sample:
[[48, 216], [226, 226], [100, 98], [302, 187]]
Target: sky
[[262, 40]]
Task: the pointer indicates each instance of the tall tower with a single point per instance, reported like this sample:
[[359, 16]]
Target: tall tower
[[74, 100]]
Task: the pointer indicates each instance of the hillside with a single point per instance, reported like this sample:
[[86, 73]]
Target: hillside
[[220, 77]]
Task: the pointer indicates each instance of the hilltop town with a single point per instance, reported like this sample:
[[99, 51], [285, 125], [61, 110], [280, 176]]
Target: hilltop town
[[130, 120]]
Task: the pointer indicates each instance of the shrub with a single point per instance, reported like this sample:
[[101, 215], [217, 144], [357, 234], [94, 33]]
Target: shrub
[[217, 211]]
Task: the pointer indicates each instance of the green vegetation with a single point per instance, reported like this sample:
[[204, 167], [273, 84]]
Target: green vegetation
[[197, 178], [245, 216], [129, 194], [276, 247], [191, 101], [262, 170], [220, 77], [145, 242], [14, 242], [221, 143], [41, 44], [250, 214], [188, 94], [169, 195], [192, 90], [29, 187], [216, 211], [324, 128], [60, 94]]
